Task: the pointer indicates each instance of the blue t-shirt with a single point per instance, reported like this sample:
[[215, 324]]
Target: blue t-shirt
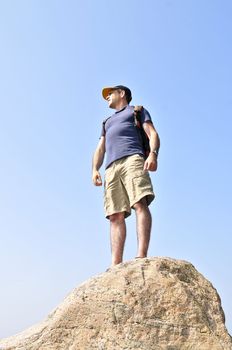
[[122, 137]]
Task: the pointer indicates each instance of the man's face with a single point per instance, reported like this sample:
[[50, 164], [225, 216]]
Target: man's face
[[114, 97]]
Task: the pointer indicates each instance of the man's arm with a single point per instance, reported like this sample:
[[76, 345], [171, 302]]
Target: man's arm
[[98, 159], [154, 140]]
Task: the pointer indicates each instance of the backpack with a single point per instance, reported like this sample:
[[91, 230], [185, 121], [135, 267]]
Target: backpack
[[144, 138]]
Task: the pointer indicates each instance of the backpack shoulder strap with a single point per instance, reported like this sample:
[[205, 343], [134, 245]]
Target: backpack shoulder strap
[[138, 108], [137, 111]]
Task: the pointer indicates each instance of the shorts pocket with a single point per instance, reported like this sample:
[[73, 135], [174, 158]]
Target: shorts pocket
[[142, 182], [141, 186]]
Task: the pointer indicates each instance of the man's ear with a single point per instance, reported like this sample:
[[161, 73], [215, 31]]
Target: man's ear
[[122, 93]]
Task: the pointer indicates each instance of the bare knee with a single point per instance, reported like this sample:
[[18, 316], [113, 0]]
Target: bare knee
[[141, 205], [117, 217]]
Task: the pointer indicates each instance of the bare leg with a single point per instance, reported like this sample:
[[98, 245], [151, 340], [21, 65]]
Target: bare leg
[[144, 220], [118, 237]]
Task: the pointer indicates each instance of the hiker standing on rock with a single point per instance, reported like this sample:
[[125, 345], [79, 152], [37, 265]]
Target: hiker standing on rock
[[127, 181]]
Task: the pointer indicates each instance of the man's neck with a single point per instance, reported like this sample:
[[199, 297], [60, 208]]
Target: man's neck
[[121, 106]]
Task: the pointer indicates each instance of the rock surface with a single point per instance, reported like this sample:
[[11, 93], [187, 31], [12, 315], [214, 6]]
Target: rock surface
[[145, 304]]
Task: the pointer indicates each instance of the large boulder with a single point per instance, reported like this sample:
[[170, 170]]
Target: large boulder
[[145, 304]]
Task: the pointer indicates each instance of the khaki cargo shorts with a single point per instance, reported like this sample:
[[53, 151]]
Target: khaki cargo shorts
[[126, 183]]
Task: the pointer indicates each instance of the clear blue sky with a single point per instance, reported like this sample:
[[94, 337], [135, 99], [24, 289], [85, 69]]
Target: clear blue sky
[[56, 56]]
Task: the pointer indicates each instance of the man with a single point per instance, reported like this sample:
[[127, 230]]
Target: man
[[127, 181]]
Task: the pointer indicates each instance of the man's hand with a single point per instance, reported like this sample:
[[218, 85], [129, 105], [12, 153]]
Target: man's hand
[[151, 162], [96, 177]]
